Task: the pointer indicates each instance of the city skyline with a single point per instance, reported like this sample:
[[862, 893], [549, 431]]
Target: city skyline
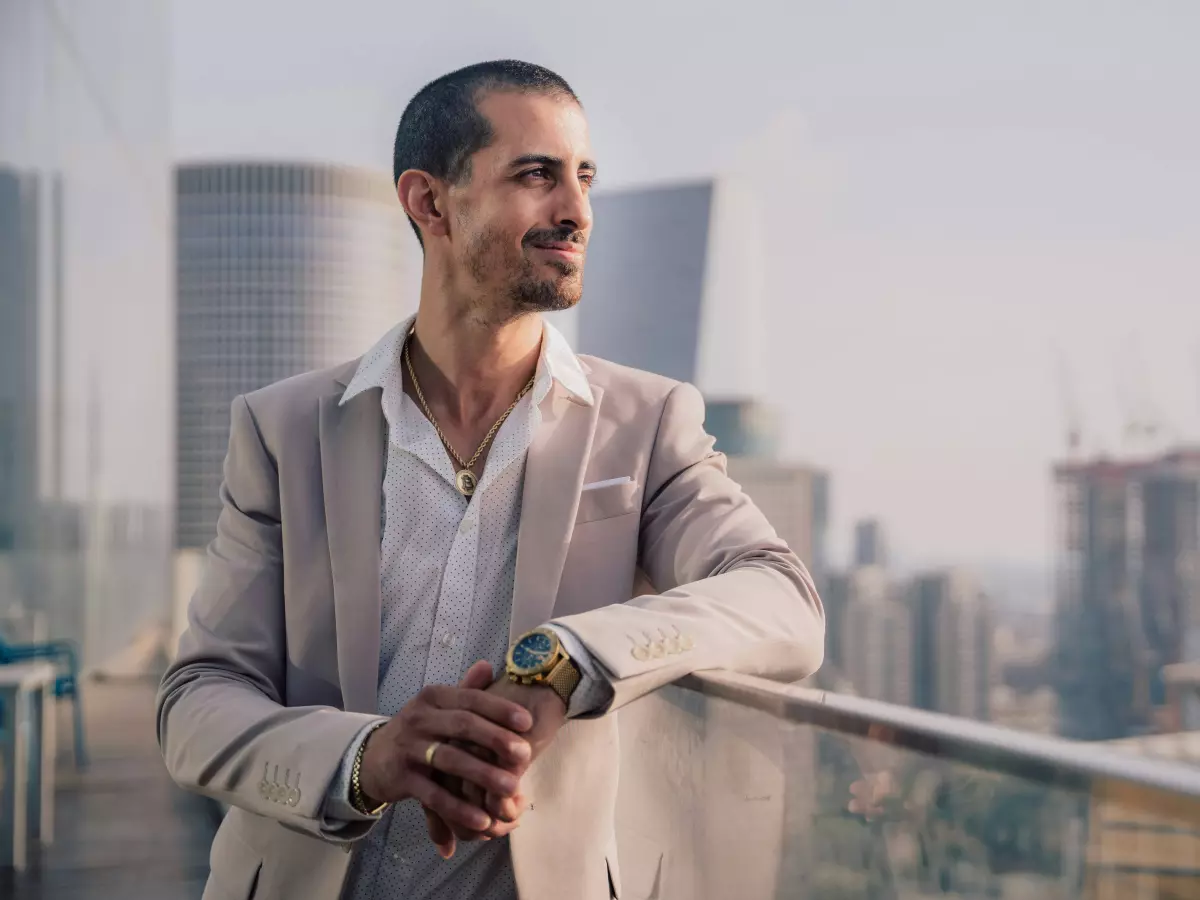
[[934, 243]]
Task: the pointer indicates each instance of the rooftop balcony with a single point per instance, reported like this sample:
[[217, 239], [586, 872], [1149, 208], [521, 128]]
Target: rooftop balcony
[[734, 788]]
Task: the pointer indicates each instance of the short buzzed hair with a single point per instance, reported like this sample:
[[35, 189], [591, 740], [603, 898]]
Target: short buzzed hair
[[442, 127]]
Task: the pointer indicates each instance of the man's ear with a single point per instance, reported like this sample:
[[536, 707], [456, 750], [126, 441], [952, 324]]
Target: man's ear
[[423, 198]]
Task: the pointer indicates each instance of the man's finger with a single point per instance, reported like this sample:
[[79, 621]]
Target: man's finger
[[505, 809], [505, 713], [455, 812], [441, 835], [470, 768], [478, 676], [456, 726]]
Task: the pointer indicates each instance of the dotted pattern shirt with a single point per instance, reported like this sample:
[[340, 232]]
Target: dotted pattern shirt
[[447, 568]]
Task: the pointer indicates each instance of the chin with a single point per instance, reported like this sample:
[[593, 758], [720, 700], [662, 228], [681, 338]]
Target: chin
[[548, 297]]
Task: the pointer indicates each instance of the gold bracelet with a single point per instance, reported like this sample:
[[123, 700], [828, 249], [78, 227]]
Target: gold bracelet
[[358, 799]]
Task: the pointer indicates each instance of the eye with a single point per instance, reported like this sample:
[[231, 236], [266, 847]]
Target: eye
[[587, 179], [536, 174]]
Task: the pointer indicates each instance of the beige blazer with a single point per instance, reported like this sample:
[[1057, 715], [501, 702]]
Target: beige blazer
[[278, 668]]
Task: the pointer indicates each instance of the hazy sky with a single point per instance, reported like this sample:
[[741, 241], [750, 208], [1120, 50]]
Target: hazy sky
[[955, 195]]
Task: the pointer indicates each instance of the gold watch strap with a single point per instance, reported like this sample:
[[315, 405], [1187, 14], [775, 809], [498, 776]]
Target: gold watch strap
[[564, 678]]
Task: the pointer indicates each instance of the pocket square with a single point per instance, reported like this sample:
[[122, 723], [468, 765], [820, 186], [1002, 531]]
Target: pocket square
[[608, 482]]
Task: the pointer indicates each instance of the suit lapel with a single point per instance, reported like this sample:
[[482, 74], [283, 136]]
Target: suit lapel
[[554, 472], [352, 461]]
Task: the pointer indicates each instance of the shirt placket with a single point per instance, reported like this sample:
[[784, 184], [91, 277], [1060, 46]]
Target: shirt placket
[[455, 601]]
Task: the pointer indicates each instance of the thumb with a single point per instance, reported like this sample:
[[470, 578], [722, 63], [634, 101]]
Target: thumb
[[478, 676], [440, 833]]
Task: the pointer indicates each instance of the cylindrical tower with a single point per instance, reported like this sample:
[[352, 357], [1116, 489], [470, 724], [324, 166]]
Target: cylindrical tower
[[282, 268]]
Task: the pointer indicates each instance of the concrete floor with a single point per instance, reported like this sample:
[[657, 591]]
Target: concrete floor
[[123, 830]]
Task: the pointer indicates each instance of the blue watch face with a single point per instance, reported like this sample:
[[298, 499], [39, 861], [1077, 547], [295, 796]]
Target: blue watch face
[[532, 651]]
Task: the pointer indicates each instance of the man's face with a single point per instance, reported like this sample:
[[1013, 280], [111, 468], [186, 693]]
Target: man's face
[[523, 218]]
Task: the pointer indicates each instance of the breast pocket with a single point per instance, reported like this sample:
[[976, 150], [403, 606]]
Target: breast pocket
[[604, 501]]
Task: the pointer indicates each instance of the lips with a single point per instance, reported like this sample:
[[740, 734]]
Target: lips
[[562, 247], [563, 254]]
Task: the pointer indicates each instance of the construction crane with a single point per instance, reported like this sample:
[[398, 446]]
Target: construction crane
[[1072, 414], [1144, 424]]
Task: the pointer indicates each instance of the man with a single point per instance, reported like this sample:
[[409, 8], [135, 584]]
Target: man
[[470, 502]]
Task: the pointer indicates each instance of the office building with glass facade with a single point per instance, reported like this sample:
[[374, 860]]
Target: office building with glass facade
[[283, 268]]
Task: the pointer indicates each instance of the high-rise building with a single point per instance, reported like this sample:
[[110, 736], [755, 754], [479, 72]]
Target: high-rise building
[[951, 650], [1169, 586], [1128, 588], [85, 317], [877, 642], [789, 495], [674, 285], [870, 547], [282, 268], [644, 283], [835, 597]]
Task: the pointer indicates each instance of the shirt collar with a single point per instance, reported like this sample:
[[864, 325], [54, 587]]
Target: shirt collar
[[557, 362]]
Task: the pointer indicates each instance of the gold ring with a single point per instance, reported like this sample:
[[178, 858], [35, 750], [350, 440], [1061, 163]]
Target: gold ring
[[432, 749]]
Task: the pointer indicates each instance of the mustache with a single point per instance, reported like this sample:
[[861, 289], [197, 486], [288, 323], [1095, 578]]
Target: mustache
[[554, 236]]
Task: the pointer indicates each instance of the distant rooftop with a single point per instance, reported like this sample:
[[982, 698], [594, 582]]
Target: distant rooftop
[[1183, 457]]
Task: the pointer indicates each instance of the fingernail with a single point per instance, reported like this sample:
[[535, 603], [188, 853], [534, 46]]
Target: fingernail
[[519, 749], [482, 822]]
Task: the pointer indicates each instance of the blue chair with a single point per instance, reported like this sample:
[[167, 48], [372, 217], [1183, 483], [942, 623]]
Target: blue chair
[[65, 685]]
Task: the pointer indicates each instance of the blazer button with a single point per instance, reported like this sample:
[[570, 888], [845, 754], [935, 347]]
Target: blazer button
[[640, 653], [657, 649], [687, 643]]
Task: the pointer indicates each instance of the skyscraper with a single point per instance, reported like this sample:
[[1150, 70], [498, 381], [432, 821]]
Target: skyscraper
[[644, 286], [790, 496], [870, 548], [282, 268], [1170, 566], [951, 650], [675, 286], [877, 640], [1128, 588]]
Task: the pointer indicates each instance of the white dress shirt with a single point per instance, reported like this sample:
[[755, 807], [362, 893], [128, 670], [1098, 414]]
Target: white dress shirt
[[447, 567]]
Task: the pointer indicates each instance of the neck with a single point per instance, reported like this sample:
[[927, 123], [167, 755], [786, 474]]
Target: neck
[[471, 369]]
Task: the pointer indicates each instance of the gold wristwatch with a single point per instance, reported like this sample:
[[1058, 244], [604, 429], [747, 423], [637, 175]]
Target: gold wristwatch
[[538, 657]]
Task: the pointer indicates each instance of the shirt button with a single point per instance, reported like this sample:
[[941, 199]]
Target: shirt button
[[447, 639]]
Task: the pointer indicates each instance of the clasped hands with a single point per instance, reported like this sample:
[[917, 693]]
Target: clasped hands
[[488, 733]]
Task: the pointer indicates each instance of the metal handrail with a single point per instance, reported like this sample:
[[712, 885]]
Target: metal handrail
[[1052, 761]]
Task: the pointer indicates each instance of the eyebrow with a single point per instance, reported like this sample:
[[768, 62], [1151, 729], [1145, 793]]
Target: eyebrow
[[550, 161]]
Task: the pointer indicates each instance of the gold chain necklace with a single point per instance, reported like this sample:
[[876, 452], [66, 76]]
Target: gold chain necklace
[[465, 479]]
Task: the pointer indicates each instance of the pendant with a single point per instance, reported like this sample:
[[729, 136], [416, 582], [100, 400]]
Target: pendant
[[466, 482]]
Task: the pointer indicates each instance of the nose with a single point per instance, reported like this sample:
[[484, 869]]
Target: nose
[[574, 208]]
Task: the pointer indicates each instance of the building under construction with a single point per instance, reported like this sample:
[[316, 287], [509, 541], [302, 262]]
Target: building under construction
[[1127, 587]]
